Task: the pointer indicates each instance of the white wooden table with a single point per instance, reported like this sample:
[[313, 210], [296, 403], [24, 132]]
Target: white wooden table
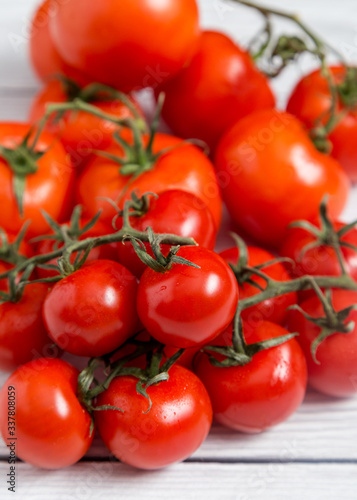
[[311, 456]]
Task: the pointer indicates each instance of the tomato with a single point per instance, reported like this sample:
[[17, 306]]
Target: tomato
[[336, 371], [80, 132], [92, 311], [108, 252], [52, 429], [186, 306], [25, 250], [175, 212], [44, 57], [271, 175], [176, 425], [311, 101], [218, 87], [264, 392], [48, 188], [145, 42], [184, 167], [23, 335], [274, 309]]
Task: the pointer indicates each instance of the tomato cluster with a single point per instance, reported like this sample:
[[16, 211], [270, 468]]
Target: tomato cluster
[[108, 231]]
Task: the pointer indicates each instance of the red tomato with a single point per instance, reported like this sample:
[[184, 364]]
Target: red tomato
[[274, 309], [23, 336], [218, 87], [261, 394], [311, 101], [44, 57], [175, 212], [49, 188], [336, 373], [271, 175], [52, 429], [92, 311], [186, 306], [145, 42], [185, 168], [80, 132], [173, 429]]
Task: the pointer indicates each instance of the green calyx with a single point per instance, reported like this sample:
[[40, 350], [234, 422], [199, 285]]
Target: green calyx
[[347, 90]]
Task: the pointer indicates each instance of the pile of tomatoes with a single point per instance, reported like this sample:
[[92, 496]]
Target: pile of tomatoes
[[109, 229]]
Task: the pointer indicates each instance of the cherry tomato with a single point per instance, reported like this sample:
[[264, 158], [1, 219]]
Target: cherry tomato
[[271, 175], [274, 309], [175, 212], [52, 429], [23, 335], [311, 101], [49, 188], [184, 167], [145, 42], [186, 306], [92, 311], [264, 392], [336, 371], [80, 132], [176, 425], [218, 87]]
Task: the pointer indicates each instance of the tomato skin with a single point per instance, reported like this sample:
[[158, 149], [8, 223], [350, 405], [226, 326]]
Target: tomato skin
[[186, 306], [336, 374], [311, 99], [275, 309], [218, 87], [176, 425], [92, 311], [274, 176], [175, 212], [52, 428], [50, 188], [185, 168], [78, 28], [261, 394]]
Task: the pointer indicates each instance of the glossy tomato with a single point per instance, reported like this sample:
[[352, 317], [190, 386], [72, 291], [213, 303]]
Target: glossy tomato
[[92, 311], [184, 167], [145, 42], [186, 306], [219, 86], [335, 372], [271, 175], [176, 212], [311, 101], [274, 309], [264, 392], [48, 187], [176, 425], [52, 429]]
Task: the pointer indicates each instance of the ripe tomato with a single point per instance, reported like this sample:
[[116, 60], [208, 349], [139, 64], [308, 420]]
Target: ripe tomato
[[176, 425], [52, 428], [186, 306], [185, 167], [264, 392], [311, 101], [49, 188], [23, 335], [271, 174], [80, 132], [126, 57], [274, 309], [92, 311], [218, 87], [176, 212], [44, 57], [336, 373]]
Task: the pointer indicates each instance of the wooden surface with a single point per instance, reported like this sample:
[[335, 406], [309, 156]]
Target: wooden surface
[[312, 456]]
